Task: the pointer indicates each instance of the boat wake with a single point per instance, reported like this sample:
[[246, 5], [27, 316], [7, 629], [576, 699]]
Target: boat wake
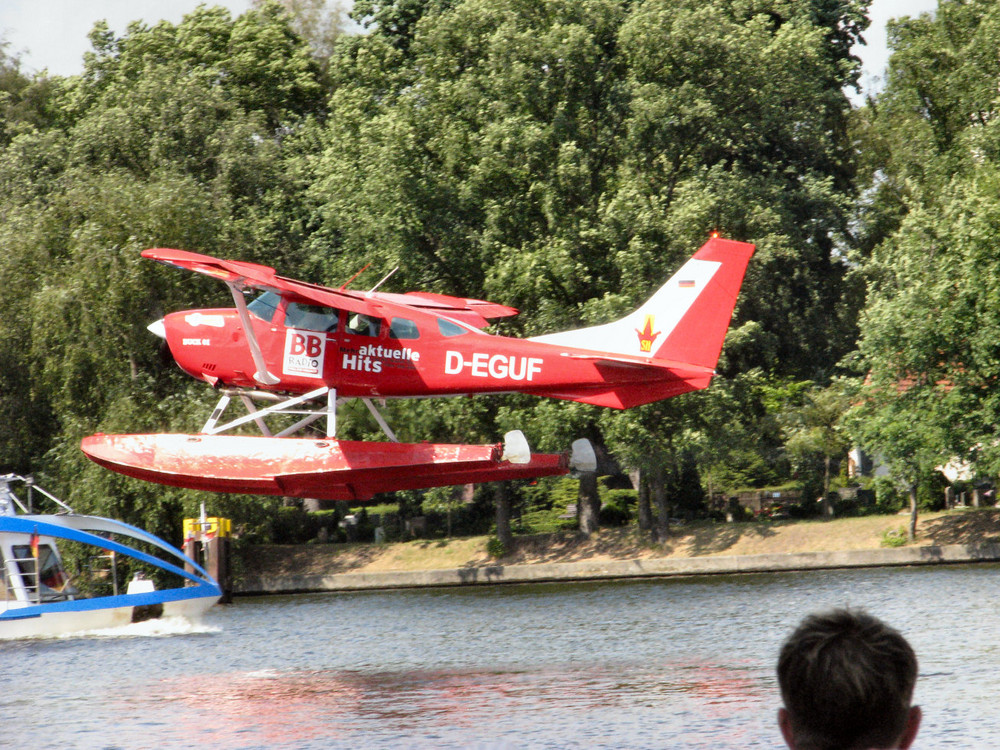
[[164, 626]]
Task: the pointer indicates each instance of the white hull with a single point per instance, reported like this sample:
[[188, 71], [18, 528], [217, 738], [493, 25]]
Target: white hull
[[50, 624], [37, 599]]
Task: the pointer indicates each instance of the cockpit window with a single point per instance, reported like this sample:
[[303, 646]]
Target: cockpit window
[[401, 328], [449, 329], [363, 325], [310, 317], [265, 306]]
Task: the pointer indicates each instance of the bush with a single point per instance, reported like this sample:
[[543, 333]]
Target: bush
[[495, 548], [613, 514], [626, 499], [888, 498], [288, 525], [293, 525], [894, 537]]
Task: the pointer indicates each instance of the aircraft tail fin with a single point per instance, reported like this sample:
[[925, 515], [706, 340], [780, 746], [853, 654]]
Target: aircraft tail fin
[[685, 321]]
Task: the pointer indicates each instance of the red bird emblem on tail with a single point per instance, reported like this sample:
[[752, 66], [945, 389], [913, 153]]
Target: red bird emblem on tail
[[646, 335]]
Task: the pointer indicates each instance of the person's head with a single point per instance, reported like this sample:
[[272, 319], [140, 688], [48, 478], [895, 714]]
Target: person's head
[[847, 681]]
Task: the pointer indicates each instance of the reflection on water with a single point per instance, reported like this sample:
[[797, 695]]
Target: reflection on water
[[456, 708], [650, 664]]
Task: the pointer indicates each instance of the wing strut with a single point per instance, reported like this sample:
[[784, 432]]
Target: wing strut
[[262, 376], [210, 427], [381, 420]]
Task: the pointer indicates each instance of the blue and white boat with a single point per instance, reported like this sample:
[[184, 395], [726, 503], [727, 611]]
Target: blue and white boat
[[39, 599]]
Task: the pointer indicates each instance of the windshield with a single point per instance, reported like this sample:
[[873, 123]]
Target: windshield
[[265, 306]]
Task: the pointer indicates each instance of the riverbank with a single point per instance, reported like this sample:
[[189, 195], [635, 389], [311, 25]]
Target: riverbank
[[947, 537]]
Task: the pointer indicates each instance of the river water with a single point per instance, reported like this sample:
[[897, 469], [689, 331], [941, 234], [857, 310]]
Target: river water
[[670, 663]]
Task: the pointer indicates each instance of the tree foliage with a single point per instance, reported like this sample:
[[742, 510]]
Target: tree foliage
[[929, 329], [560, 156], [565, 157], [189, 136]]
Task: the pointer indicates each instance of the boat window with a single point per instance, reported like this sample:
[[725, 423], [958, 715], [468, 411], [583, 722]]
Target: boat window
[[401, 328], [310, 317], [54, 580], [265, 306], [363, 325], [449, 329]]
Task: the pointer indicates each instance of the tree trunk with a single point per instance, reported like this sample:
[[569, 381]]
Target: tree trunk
[[503, 508], [588, 503], [645, 512], [662, 510], [826, 506], [911, 533]]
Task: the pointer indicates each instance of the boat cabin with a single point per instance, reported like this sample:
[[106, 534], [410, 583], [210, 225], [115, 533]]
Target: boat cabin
[[32, 570]]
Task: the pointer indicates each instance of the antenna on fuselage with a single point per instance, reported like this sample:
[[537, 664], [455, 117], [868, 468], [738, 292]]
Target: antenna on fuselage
[[384, 279], [344, 285]]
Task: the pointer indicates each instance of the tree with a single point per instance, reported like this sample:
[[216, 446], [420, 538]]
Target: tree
[[936, 118], [886, 425], [927, 343], [928, 338], [927, 229], [190, 135], [557, 155], [815, 427], [565, 157]]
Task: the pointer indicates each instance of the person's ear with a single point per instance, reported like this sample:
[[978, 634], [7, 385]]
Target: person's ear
[[912, 725], [785, 723]]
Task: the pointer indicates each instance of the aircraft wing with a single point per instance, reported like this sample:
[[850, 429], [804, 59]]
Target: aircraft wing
[[244, 275], [235, 271], [473, 312]]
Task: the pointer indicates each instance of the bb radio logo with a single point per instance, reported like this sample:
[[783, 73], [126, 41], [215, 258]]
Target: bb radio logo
[[304, 353]]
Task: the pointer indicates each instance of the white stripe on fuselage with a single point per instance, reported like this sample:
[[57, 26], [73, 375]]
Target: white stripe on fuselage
[[667, 306]]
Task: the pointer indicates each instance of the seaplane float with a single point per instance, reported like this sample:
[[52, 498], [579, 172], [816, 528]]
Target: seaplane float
[[39, 598]]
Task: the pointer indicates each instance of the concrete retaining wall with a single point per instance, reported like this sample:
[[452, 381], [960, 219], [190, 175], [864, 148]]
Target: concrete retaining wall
[[644, 568]]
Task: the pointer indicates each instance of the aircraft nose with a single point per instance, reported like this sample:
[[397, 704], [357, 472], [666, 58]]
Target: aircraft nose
[[157, 328]]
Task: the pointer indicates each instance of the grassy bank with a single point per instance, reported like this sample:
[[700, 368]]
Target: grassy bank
[[695, 540]]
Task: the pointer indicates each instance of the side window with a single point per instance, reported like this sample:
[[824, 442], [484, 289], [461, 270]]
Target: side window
[[449, 329], [363, 325], [265, 305], [310, 317], [401, 328]]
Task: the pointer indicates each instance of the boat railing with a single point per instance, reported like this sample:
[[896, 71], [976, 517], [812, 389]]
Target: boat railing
[[8, 592], [29, 482], [29, 580]]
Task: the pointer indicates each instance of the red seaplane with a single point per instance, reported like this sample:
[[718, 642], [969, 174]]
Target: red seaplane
[[304, 348]]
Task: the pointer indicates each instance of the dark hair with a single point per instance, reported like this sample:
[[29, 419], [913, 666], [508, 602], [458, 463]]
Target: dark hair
[[847, 681]]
